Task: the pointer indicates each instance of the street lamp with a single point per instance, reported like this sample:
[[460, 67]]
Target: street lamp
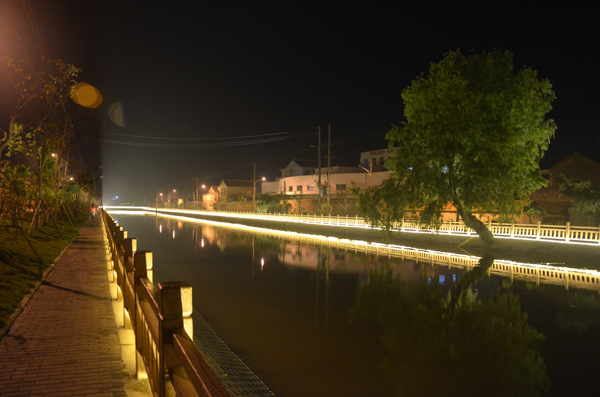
[[369, 172], [197, 193], [171, 197], [254, 194]]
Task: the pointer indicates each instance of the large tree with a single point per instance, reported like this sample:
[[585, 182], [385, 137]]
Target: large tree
[[41, 129], [474, 133]]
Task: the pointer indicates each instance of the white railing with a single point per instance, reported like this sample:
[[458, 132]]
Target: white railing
[[556, 233]]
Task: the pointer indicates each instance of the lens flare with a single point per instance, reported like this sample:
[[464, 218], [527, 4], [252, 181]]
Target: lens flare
[[86, 95], [115, 112]]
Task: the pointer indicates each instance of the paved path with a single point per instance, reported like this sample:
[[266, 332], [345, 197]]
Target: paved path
[[65, 342]]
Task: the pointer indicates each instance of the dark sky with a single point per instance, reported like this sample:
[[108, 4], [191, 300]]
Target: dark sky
[[226, 73]]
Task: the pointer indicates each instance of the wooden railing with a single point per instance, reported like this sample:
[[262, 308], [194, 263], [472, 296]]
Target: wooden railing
[[161, 320]]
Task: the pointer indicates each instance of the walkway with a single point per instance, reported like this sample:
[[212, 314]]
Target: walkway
[[65, 342]]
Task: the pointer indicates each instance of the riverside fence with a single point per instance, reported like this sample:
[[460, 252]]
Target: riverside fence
[[553, 233], [161, 320]]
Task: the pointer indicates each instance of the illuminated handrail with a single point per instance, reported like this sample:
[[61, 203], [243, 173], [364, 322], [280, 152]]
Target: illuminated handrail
[[161, 321], [551, 233]]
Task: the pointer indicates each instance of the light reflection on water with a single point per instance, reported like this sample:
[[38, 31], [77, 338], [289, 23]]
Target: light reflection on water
[[283, 307]]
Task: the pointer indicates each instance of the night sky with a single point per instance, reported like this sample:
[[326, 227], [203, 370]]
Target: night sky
[[204, 90]]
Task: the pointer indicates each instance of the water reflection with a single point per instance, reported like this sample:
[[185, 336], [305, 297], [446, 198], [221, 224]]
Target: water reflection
[[282, 303], [455, 344]]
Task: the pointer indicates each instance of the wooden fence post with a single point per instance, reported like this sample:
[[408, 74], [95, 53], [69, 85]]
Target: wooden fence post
[[120, 236], [175, 303], [142, 260], [130, 245]]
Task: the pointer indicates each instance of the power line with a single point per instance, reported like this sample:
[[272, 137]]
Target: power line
[[209, 139], [240, 142]]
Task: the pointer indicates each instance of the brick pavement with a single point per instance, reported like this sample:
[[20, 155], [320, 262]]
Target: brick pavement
[[65, 342]]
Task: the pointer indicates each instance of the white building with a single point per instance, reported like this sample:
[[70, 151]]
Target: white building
[[376, 157], [300, 177]]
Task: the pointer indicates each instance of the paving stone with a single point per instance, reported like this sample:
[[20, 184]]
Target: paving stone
[[65, 342]]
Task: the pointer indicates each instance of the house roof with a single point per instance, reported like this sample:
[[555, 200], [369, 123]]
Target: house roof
[[314, 164], [302, 163], [214, 189], [235, 183], [574, 156]]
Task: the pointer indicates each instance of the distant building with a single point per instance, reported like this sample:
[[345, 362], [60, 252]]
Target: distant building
[[376, 158], [229, 187], [209, 198], [578, 166], [301, 177], [299, 167]]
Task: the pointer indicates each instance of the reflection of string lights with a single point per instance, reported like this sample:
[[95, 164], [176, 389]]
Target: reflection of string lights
[[262, 263], [173, 233], [202, 243], [160, 228]]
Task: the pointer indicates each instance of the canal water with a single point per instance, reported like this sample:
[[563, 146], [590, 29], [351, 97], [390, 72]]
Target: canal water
[[284, 308]]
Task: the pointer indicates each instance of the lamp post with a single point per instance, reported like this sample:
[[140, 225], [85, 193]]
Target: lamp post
[[198, 194], [370, 172], [171, 196], [254, 194]]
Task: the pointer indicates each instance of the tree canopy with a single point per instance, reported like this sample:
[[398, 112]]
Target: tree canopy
[[474, 133], [41, 133], [585, 198]]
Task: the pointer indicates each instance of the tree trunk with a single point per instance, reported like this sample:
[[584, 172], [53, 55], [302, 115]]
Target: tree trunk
[[474, 223], [469, 278]]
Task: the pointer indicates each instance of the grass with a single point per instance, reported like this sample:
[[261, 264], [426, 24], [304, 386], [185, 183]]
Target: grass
[[20, 268]]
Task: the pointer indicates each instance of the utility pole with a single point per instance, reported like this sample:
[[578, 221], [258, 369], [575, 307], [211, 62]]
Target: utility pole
[[254, 186], [196, 193], [329, 168], [319, 165]]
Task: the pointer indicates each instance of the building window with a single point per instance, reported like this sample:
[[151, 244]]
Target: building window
[[340, 186], [381, 161], [310, 188], [366, 163], [299, 188], [290, 189]]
